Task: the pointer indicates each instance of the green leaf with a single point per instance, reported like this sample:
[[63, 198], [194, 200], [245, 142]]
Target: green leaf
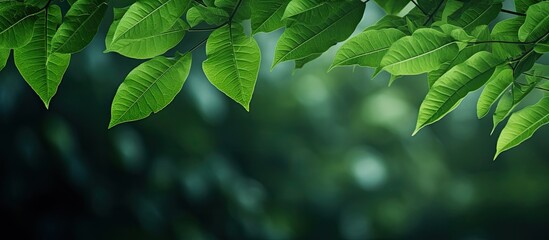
[[4, 56], [536, 25], [422, 52], [17, 24], [454, 85], [146, 47], [210, 15], [367, 48], [542, 48], [267, 15], [507, 30], [301, 40], [149, 88], [80, 26], [475, 13], [481, 33], [522, 125], [390, 21], [233, 63], [392, 7], [512, 99], [148, 17], [495, 88], [522, 5], [244, 8], [42, 69]]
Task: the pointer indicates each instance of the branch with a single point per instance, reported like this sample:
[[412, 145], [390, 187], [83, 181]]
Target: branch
[[512, 12], [419, 7], [431, 15]]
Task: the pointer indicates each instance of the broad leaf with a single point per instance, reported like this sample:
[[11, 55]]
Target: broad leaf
[[536, 25], [495, 88], [146, 47], [42, 69], [267, 15], [301, 40], [149, 88], [522, 125], [475, 13], [367, 48], [148, 17], [17, 24], [80, 26], [507, 30], [232, 63], [454, 85], [422, 52]]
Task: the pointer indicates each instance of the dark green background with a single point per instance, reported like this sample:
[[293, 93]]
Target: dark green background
[[320, 156]]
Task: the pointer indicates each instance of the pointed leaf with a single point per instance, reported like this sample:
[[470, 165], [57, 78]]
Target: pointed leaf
[[536, 25], [149, 88], [17, 24], [42, 69], [301, 40], [267, 15], [148, 17], [522, 125], [454, 85], [233, 63], [367, 48], [495, 88], [4, 55], [80, 26], [422, 52]]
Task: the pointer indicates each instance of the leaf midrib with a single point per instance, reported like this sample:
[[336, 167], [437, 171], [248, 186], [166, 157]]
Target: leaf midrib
[[142, 19], [420, 55], [81, 25], [312, 37], [149, 87]]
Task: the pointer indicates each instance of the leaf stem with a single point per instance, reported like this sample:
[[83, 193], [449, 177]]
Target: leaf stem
[[420, 8], [431, 15], [536, 87], [512, 12]]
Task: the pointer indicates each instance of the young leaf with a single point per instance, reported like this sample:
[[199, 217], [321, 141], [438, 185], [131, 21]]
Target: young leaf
[[422, 52], [536, 25], [301, 40], [148, 17], [495, 88], [79, 27], [267, 15], [367, 48], [233, 63], [149, 88], [522, 125], [455, 85], [146, 47], [42, 69], [17, 24]]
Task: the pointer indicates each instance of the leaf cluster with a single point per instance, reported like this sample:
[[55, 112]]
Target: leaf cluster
[[461, 45]]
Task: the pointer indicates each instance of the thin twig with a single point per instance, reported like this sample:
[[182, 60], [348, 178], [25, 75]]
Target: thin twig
[[431, 15], [512, 12], [419, 7]]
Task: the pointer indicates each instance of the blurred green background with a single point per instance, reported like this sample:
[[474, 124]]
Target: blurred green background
[[320, 156]]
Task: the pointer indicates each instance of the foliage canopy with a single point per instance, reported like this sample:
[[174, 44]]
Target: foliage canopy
[[458, 44]]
